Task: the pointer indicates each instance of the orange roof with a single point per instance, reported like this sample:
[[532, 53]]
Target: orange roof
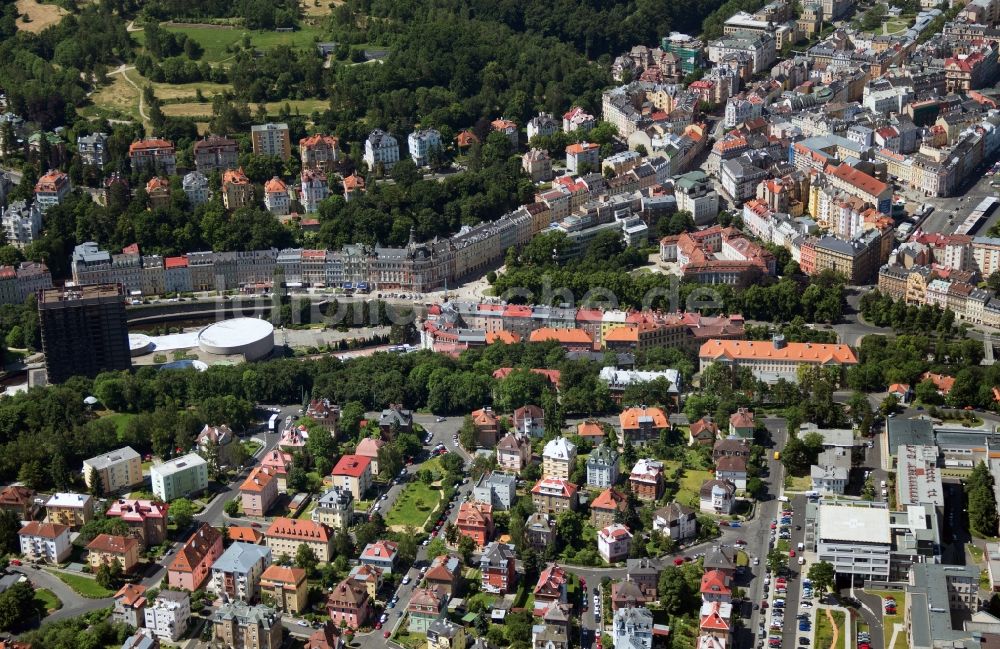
[[503, 336], [742, 418], [474, 512], [581, 147], [858, 179], [235, 176], [150, 143], [610, 498], [193, 552], [629, 419], [466, 138], [354, 182], [44, 530], [563, 336], [753, 350], [623, 334], [299, 529], [258, 480], [318, 139], [589, 429], [112, 544], [900, 388], [283, 575], [156, 183], [942, 382], [51, 181], [502, 124], [246, 534], [275, 186], [131, 594]]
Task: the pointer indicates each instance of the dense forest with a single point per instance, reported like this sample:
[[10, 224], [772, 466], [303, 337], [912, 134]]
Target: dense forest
[[255, 14], [593, 27]]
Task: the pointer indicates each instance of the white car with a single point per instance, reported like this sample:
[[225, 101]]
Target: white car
[[406, 580], [383, 618], [805, 605]]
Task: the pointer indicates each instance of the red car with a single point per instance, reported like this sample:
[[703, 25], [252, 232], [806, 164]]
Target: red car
[[385, 635], [15, 562], [791, 553], [678, 561], [763, 604], [774, 526], [378, 625]]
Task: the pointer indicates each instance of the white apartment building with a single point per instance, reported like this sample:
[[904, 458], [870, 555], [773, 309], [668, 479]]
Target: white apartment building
[[421, 144], [117, 470], [167, 617], [45, 542], [179, 477], [381, 148]]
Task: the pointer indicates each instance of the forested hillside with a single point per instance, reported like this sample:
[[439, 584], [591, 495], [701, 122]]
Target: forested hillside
[[593, 27]]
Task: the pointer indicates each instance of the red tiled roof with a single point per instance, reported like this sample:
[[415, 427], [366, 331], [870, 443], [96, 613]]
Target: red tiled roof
[[352, 465]]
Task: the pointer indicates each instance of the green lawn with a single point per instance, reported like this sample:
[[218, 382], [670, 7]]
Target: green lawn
[[121, 419], [85, 586], [798, 484], [889, 621], [307, 512], [47, 600], [691, 486], [414, 505], [975, 551], [215, 41], [824, 630], [252, 446]]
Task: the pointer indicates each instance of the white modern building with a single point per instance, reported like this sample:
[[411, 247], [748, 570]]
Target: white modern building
[[195, 185], [856, 540], [421, 144], [179, 477], [381, 149], [167, 617]]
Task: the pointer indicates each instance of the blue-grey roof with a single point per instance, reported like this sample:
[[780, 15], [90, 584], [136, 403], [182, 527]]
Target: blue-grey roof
[[241, 557]]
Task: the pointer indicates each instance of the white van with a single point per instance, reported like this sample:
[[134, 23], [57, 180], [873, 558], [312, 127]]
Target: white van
[[801, 547], [883, 484]]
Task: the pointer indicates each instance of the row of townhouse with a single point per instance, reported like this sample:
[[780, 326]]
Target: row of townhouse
[[919, 285], [453, 322], [417, 267]]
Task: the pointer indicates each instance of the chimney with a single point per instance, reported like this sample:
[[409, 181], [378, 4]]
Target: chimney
[[779, 341]]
